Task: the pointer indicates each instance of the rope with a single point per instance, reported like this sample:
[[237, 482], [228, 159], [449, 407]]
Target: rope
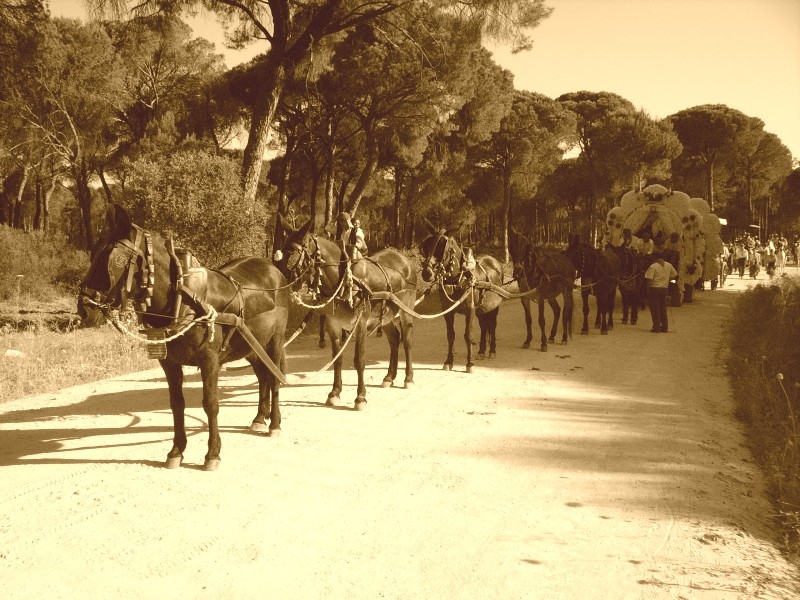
[[122, 328], [346, 342]]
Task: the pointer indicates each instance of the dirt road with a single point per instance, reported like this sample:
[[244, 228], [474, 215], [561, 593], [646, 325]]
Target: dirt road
[[608, 468]]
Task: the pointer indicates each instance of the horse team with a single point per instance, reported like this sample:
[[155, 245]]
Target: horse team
[[207, 317]]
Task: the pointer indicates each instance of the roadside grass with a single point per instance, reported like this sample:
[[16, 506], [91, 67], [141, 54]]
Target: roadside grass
[[34, 362], [764, 368]]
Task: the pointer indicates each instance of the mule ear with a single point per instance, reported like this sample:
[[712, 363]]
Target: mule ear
[[286, 225], [306, 227], [118, 222], [431, 227]]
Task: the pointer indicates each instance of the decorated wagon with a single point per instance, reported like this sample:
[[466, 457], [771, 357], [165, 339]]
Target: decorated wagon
[[683, 228]]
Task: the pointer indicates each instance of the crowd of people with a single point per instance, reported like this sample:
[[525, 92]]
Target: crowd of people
[[746, 254]]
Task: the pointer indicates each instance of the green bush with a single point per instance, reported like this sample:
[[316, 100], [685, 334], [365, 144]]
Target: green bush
[[48, 265], [196, 197], [764, 367]]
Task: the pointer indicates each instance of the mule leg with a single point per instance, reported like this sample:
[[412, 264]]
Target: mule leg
[[449, 321], [484, 327], [526, 309], [335, 336], [268, 390], [585, 298], [554, 306], [393, 337], [625, 301], [406, 325], [543, 346], [469, 316], [360, 362], [174, 375], [267, 401], [209, 368], [569, 307], [322, 331], [493, 332]]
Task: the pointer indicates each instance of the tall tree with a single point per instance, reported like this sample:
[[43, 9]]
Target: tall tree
[[293, 28], [706, 131], [595, 111], [528, 146]]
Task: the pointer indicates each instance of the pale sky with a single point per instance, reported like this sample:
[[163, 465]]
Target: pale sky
[[662, 55]]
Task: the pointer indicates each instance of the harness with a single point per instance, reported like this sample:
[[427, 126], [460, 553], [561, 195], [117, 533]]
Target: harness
[[189, 286]]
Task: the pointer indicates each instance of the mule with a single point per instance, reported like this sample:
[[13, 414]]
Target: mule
[[599, 274], [631, 281], [210, 316], [446, 261], [518, 247], [359, 295], [550, 273]]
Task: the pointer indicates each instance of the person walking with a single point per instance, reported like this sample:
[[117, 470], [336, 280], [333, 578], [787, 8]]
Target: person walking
[[741, 258], [657, 277]]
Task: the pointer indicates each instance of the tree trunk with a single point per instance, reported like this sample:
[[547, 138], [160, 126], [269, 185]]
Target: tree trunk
[[15, 210], [84, 197], [399, 173], [506, 212], [367, 172], [273, 72], [330, 200], [106, 188], [286, 172], [710, 182]]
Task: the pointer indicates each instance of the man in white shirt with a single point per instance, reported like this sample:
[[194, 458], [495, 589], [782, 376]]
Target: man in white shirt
[[657, 277]]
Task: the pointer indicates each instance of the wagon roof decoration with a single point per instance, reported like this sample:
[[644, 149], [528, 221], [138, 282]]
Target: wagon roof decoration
[[655, 193]]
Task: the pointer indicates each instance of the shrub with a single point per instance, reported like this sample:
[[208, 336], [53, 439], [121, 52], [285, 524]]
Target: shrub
[[197, 198], [48, 265], [764, 368]]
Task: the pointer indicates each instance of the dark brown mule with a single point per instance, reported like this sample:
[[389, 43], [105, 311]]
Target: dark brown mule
[[358, 298], [443, 259], [631, 276], [129, 263], [599, 273], [551, 274]]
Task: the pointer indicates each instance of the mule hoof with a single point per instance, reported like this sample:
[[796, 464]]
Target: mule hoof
[[624, 321], [604, 332], [258, 427], [386, 383], [322, 344], [526, 345], [492, 355], [481, 356], [211, 464], [543, 348], [408, 385], [332, 400], [173, 462], [469, 369], [361, 403], [275, 432], [584, 332], [447, 367]]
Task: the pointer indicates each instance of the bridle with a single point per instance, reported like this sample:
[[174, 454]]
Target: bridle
[[443, 265], [124, 259]]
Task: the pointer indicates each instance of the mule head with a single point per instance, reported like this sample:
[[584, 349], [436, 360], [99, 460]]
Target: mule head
[[109, 278], [440, 255], [297, 251]]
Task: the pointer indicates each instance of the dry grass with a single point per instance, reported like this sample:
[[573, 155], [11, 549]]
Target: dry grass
[[765, 374], [52, 360]]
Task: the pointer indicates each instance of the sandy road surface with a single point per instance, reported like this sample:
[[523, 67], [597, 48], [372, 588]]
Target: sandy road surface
[[590, 471]]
